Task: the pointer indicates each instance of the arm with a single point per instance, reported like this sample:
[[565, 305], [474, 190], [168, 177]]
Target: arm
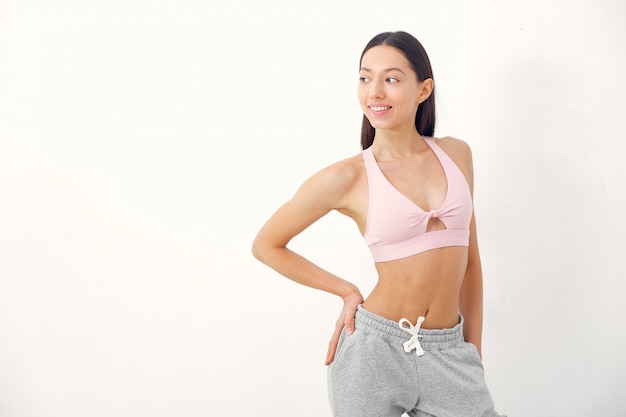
[[315, 198], [325, 191], [471, 296]]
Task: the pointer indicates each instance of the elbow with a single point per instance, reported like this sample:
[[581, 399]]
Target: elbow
[[257, 250], [262, 250], [266, 252]]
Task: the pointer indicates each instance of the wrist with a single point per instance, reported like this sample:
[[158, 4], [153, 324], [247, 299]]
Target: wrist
[[349, 290]]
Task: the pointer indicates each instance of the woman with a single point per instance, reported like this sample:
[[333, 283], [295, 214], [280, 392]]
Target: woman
[[413, 346]]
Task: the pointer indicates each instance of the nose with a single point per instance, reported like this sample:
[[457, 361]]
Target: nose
[[376, 89]]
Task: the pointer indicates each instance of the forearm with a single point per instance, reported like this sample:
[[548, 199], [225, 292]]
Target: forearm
[[471, 305], [301, 270]]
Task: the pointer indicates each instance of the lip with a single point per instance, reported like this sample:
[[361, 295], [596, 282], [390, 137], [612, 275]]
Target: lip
[[375, 108]]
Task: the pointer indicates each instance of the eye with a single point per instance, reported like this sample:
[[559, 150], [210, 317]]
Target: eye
[[364, 79], [392, 80]]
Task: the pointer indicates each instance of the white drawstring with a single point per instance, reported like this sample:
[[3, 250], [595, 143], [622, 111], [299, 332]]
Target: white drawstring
[[413, 342]]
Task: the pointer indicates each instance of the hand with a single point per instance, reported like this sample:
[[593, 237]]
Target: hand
[[346, 319]]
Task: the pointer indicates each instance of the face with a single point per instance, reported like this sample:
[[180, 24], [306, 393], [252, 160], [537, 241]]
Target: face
[[389, 91]]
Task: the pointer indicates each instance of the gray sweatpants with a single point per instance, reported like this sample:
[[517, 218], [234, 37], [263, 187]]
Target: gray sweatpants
[[383, 371]]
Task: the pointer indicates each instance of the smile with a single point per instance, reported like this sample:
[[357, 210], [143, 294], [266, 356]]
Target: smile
[[380, 108]]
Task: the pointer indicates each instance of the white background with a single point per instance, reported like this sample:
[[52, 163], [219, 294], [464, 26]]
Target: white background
[[144, 142]]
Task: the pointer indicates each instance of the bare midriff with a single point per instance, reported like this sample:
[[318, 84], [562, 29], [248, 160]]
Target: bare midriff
[[427, 284]]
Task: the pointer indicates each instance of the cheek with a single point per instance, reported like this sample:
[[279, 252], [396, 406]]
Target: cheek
[[411, 100], [361, 93], [362, 96]]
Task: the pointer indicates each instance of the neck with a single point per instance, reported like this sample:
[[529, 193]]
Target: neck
[[397, 143]]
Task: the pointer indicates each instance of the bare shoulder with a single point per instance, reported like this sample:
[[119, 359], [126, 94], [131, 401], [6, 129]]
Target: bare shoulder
[[346, 169], [460, 152], [454, 147], [335, 181], [341, 174]]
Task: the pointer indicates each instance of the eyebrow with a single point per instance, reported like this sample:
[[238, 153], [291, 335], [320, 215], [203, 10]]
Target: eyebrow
[[386, 70]]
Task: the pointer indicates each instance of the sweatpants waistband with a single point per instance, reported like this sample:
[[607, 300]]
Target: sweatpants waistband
[[390, 331]]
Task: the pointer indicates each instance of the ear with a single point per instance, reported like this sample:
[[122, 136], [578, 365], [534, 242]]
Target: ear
[[426, 89]]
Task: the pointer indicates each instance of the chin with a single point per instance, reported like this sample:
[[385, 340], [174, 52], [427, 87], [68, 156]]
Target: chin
[[380, 125]]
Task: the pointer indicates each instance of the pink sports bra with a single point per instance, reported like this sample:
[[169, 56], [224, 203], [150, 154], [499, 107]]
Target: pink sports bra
[[396, 227]]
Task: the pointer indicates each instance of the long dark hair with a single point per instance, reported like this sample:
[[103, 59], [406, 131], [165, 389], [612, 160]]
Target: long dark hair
[[416, 55]]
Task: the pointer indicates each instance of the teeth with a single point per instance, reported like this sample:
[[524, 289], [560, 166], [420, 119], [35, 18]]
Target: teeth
[[380, 108]]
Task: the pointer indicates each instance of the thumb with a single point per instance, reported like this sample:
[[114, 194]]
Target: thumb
[[349, 325]]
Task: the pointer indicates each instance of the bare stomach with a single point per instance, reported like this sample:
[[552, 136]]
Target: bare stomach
[[427, 284]]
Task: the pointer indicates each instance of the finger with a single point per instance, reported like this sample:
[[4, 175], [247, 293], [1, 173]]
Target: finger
[[329, 356], [349, 320], [332, 345], [332, 348], [349, 324]]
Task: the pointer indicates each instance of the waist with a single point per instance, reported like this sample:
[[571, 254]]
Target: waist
[[411, 289], [438, 314], [389, 330]]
